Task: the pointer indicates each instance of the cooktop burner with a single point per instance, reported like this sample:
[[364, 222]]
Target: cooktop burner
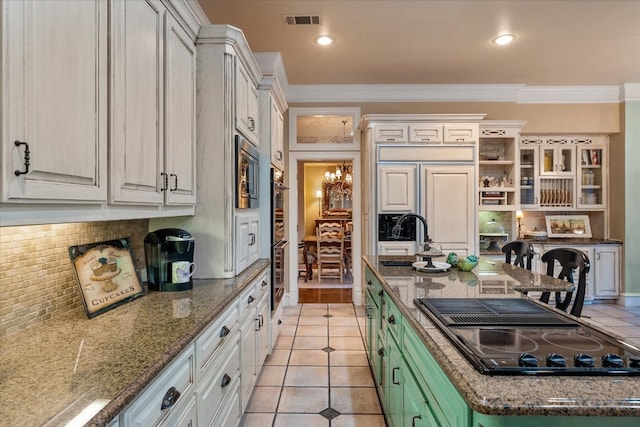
[[556, 346]]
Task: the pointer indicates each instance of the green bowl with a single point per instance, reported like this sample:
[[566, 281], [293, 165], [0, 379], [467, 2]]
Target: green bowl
[[466, 265]]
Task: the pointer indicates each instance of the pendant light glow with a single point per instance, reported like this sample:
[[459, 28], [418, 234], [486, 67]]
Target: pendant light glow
[[324, 40], [503, 39]]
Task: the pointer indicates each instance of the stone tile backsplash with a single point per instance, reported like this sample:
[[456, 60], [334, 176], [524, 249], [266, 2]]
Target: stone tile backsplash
[[36, 276]]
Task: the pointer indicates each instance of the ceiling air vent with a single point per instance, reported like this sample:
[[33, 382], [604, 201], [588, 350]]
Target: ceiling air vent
[[302, 19]]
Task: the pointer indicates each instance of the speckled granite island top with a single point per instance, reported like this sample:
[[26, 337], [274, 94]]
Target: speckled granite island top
[[500, 395], [50, 372]]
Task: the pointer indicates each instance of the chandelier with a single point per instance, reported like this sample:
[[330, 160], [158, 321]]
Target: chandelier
[[339, 184]]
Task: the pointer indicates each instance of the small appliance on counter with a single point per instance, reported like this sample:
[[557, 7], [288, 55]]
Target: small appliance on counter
[[169, 256]]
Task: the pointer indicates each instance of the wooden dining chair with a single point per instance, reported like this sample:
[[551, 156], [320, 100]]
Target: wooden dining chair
[[519, 252], [569, 260], [330, 251]]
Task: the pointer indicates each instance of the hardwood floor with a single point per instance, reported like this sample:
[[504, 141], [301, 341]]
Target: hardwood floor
[[324, 295]]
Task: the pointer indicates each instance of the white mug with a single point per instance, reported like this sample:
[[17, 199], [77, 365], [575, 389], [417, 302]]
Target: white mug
[[181, 271]]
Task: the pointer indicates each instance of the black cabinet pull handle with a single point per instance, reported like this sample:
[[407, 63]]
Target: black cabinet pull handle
[[261, 317], [381, 351], [393, 375], [27, 158], [392, 320], [413, 420], [170, 398], [380, 293], [279, 321], [264, 283], [257, 324], [175, 182], [252, 124], [369, 283], [165, 181], [226, 380], [224, 332], [251, 299]]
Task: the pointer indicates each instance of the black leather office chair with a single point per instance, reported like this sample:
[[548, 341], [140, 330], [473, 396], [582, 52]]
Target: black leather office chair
[[520, 251], [569, 259]]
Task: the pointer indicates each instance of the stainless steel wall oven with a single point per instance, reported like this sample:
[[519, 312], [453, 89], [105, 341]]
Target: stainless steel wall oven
[[278, 242]]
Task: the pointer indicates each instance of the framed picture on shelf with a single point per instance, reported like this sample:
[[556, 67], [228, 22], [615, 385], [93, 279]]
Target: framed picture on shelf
[[569, 226]]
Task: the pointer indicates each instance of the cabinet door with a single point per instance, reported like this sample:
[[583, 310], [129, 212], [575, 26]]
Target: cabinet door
[[390, 132], [180, 114], [606, 267], [396, 248], [137, 131], [529, 187], [246, 241], [394, 382], [415, 407], [591, 177], [54, 99], [396, 188], [246, 104], [449, 206], [461, 133], [248, 347], [425, 133], [277, 136], [263, 318], [557, 159]]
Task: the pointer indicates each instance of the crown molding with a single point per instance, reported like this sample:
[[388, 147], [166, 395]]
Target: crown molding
[[630, 92], [518, 93]]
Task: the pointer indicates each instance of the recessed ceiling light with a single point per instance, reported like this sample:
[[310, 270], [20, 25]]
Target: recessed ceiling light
[[324, 40], [503, 39]]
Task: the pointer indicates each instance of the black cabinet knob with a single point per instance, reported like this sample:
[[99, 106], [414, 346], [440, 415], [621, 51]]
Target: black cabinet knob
[[170, 398]]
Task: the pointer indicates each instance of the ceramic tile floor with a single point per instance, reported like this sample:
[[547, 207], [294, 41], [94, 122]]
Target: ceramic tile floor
[[317, 373]]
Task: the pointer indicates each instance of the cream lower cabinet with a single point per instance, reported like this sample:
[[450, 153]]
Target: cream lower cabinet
[[397, 248], [152, 157], [211, 381], [54, 114], [254, 341], [246, 243], [603, 279], [449, 206]]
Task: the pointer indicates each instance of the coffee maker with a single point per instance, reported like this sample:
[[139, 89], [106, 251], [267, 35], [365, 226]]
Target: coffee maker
[[169, 256]]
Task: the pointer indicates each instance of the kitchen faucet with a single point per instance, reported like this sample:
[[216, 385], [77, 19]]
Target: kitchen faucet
[[395, 231]]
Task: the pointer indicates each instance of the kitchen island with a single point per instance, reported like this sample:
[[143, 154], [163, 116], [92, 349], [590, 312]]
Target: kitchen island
[[423, 379], [51, 372]]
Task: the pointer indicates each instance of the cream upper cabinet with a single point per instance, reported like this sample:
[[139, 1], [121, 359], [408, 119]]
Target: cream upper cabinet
[[592, 176], [54, 103], [153, 106], [246, 103], [460, 133], [277, 136], [397, 188], [426, 133], [180, 115]]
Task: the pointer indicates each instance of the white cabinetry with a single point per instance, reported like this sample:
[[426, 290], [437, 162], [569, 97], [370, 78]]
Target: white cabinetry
[[246, 103], [498, 157], [220, 48], [153, 107], [168, 396], [247, 235], [254, 319], [448, 205], [606, 265], [54, 103], [564, 172], [397, 188], [424, 164]]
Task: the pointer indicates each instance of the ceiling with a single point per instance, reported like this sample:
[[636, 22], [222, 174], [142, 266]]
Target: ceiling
[[445, 42]]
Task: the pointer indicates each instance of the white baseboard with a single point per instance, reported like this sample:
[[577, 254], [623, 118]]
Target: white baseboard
[[629, 299]]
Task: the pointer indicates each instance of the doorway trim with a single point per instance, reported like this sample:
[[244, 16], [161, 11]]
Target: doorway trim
[[292, 296]]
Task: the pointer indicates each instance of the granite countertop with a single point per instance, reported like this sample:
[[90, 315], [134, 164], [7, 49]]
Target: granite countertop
[[52, 371], [569, 242], [500, 395]]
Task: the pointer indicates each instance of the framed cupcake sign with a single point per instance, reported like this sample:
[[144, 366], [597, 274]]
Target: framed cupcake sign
[[106, 274]]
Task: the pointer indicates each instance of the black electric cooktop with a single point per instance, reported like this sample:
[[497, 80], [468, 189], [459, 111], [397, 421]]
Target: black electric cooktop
[[520, 337]]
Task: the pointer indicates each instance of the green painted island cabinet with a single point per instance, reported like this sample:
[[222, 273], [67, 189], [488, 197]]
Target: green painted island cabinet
[[413, 389]]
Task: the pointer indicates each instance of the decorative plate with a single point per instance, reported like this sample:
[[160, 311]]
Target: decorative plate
[[437, 266]]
